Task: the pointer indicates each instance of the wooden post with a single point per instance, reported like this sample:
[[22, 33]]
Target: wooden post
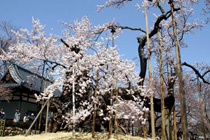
[[48, 103], [150, 79], [73, 101], [181, 91], [201, 108], [167, 125], [173, 116], [163, 129], [110, 120], [41, 88], [47, 113], [133, 133], [145, 127], [95, 109], [129, 126], [116, 108], [111, 98], [174, 124], [40, 118]]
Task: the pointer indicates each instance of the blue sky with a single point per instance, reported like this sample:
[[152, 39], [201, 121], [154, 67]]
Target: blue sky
[[50, 12]]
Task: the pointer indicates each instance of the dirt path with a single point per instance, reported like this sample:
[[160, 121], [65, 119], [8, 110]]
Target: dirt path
[[68, 136]]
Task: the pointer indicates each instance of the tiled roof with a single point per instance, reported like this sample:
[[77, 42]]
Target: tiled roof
[[26, 78]]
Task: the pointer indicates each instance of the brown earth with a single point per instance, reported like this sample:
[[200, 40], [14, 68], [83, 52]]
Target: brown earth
[[68, 136]]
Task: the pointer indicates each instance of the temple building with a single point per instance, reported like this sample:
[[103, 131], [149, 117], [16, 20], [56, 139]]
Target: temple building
[[22, 85]]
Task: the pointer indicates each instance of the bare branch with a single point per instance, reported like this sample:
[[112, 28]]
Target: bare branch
[[67, 45], [196, 72], [205, 73], [160, 7], [164, 16], [130, 28]]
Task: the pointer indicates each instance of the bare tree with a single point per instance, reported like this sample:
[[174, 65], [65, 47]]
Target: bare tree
[[6, 39]]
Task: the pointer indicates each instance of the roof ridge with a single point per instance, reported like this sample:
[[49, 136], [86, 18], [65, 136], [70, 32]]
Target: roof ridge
[[15, 74], [47, 79]]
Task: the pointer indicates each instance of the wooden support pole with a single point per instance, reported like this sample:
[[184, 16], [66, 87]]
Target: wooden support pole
[[45, 82], [111, 95], [110, 119], [95, 109], [181, 91], [144, 127], [150, 79], [167, 125], [40, 118], [48, 104], [116, 108], [47, 113], [163, 126], [201, 108], [73, 101], [174, 123]]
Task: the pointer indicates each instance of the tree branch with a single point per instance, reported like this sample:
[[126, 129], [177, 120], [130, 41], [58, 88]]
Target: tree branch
[[160, 7], [205, 73], [196, 72], [130, 28], [67, 45], [142, 41]]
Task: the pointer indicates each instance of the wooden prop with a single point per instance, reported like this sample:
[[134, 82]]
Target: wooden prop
[[163, 126], [181, 91], [201, 108], [150, 81]]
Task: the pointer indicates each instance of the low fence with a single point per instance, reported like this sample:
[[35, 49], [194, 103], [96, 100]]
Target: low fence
[[9, 128], [2, 126], [12, 131]]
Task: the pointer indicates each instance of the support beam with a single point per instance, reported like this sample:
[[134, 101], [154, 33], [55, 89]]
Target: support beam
[[201, 108], [150, 79], [163, 125], [181, 90]]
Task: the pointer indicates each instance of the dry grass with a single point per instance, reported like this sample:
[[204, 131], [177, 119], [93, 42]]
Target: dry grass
[[68, 136]]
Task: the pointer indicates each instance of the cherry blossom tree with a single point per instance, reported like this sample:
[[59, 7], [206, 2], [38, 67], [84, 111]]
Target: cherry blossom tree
[[6, 38], [80, 60], [198, 69], [206, 10], [163, 20], [5, 93], [192, 100]]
